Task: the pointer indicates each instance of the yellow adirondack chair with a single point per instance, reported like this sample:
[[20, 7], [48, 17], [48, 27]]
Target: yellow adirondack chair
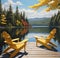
[[17, 46], [46, 41]]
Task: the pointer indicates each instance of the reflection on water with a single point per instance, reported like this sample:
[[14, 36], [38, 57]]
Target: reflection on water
[[39, 29]]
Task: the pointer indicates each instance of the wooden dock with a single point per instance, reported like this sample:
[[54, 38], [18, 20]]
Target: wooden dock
[[37, 52]]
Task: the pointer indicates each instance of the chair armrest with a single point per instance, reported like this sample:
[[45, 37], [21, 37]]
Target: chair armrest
[[24, 41], [16, 39], [37, 37]]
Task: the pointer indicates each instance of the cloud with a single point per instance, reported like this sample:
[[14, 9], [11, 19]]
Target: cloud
[[48, 14], [14, 3], [29, 13], [33, 14], [6, 4], [10, 2], [18, 3]]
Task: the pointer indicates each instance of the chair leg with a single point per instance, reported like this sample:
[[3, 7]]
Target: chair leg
[[49, 47], [25, 47], [15, 52], [36, 43], [52, 44], [5, 51]]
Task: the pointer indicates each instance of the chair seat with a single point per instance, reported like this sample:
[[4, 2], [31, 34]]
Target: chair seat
[[18, 44]]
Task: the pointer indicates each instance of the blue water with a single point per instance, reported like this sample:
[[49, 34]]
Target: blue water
[[31, 38]]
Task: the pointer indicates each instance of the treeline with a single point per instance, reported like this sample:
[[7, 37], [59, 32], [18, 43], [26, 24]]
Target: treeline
[[8, 18], [55, 23]]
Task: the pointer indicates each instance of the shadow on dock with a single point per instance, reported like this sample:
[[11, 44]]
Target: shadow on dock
[[53, 49], [19, 55]]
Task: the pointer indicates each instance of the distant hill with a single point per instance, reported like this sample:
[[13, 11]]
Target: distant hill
[[39, 21]]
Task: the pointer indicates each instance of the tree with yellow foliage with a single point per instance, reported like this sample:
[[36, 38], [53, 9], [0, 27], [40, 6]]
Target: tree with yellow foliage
[[3, 20], [52, 4]]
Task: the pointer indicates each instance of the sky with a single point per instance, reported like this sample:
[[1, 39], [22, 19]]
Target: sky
[[23, 6]]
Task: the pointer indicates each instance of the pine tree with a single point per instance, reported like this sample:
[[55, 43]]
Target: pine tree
[[10, 16], [0, 11], [55, 22], [58, 18], [4, 11], [24, 15], [21, 15], [17, 13], [17, 17], [51, 23], [27, 20], [0, 8]]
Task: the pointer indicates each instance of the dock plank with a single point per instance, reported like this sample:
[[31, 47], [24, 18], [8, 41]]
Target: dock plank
[[36, 52]]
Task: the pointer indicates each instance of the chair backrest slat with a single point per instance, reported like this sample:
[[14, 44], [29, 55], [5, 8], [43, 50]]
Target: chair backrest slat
[[7, 37], [51, 35]]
